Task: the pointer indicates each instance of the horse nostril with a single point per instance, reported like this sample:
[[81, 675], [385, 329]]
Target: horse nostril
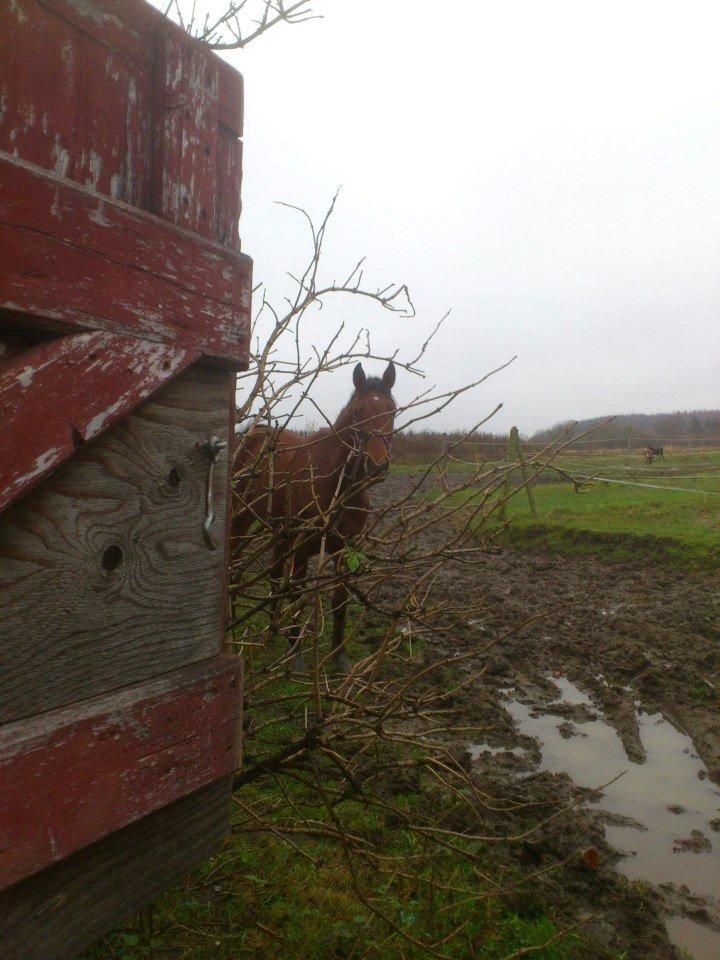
[[377, 469]]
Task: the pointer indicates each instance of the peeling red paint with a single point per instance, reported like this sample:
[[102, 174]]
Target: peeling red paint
[[76, 774], [119, 206], [126, 104], [69, 387], [97, 263]]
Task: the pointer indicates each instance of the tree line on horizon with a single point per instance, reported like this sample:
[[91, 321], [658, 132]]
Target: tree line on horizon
[[683, 426], [691, 425]]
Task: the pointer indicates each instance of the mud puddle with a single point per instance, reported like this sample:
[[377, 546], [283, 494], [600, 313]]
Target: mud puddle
[[661, 814]]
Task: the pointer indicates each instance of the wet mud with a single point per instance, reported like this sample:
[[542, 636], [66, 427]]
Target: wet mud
[[618, 678]]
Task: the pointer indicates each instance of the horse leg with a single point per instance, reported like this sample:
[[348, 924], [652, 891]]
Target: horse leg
[[275, 578], [299, 572], [240, 524], [339, 605]]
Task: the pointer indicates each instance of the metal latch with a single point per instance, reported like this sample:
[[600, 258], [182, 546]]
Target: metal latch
[[211, 449]]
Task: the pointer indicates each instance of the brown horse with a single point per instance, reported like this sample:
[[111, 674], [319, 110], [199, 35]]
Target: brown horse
[[313, 489], [651, 452]]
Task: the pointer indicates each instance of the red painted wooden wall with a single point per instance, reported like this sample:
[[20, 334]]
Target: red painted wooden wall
[[115, 131], [120, 271]]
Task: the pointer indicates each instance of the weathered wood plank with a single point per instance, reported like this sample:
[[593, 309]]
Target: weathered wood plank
[[228, 175], [56, 396], [105, 577], [37, 107], [71, 776], [113, 135], [96, 72], [228, 168], [231, 95], [126, 104], [71, 255], [55, 914], [186, 87], [126, 27]]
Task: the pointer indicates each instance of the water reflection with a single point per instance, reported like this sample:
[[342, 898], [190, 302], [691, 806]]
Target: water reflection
[[670, 795]]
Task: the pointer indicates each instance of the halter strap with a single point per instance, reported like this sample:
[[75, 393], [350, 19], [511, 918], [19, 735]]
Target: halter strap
[[360, 439]]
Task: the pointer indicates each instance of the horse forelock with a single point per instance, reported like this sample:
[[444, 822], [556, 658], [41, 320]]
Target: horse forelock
[[376, 385]]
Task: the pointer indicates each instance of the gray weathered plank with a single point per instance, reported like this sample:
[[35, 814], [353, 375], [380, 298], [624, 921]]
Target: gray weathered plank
[[105, 578], [71, 776], [59, 911]]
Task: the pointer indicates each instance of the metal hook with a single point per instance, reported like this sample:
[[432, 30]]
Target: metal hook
[[212, 450]]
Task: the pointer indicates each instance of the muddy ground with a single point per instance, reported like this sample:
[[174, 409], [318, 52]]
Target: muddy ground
[[632, 637]]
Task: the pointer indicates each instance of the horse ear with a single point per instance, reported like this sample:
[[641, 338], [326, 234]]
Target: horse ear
[[389, 376], [359, 378]]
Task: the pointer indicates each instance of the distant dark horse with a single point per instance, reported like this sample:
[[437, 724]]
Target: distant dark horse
[[651, 452], [314, 488]]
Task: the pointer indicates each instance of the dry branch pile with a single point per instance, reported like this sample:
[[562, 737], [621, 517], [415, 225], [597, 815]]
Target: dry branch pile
[[327, 738]]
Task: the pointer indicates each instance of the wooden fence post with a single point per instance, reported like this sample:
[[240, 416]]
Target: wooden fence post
[[514, 454], [523, 467], [507, 483]]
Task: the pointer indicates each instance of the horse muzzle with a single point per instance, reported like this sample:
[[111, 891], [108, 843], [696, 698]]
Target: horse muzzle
[[374, 449], [375, 471]]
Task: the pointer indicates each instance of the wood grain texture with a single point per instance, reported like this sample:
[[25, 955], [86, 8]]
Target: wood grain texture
[[25, 125], [60, 394], [112, 20], [72, 776], [104, 574], [107, 113], [55, 914], [100, 264]]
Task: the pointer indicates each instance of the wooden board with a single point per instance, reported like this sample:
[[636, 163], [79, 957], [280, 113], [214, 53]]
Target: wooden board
[[72, 776], [105, 577], [187, 91], [58, 912], [126, 104], [95, 263], [59, 395]]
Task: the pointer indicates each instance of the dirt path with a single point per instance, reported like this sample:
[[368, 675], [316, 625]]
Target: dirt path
[[625, 644]]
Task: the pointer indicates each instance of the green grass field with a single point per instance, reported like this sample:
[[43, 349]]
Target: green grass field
[[668, 512], [260, 900]]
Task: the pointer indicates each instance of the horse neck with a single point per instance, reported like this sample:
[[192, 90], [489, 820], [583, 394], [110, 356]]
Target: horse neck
[[335, 448], [341, 439]]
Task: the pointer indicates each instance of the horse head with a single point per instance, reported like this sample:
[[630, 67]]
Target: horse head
[[373, 420]]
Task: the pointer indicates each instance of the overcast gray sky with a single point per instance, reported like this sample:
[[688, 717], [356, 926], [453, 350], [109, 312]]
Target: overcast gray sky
[[549, 170]]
